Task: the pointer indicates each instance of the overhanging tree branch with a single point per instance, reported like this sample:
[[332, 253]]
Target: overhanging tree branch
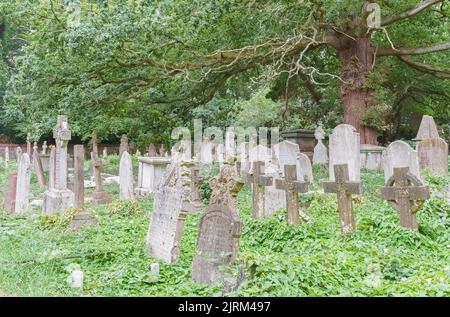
[[388, 51], [438, 72], [409, 13]]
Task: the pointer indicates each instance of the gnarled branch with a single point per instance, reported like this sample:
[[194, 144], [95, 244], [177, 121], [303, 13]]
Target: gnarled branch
[[409, 13], [438, 72], [388, 51]]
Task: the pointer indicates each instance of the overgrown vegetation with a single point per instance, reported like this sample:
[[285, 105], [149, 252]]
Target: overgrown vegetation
[[313, 259]]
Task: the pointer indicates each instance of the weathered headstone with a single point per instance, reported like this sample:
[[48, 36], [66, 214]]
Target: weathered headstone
[[230, 145], [58, 197], [99, 196], [126, 176], [219, 230], [274, 199], [37, 164], [79, 176], [170, 205], [427, 129], [305, 167], [287, 153], [372, 157], [44, 148], [258, 181], [400, 154], [344, 188], [405, 192], [10, 198], [292, 187], [29, 144], [433, 155], [19, 153], [320, 155], [345, 149], [243, 150], [123, 145], [219, 154], [206, 152], [152, 150], [196, 180], [23, 184]]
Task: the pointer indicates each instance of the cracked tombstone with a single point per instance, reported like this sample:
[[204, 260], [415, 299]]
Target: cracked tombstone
[[258, 181], [99, 196], [126, 176], [406, 193], [292, 188], [23, 184], [344, 188], [58, 197], [219, 231], [320, 155], [170, 206]]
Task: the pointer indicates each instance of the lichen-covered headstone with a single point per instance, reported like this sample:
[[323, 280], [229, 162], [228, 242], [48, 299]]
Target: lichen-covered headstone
[[427, 129], [219, 230], [400, 154], [433, 155]]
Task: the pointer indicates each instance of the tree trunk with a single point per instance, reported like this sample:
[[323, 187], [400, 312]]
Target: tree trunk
[[356, 59]]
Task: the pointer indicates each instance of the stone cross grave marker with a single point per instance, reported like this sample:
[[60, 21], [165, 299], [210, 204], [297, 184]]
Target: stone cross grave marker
[[10, 198], [405, 192], [320, 155], [345, 149], [427, 129], [170, 205], [126, 176], [38, 169], [433, 155], [292, 187], [58, 197], [219, 230], [258, 180], [23, 184], [400, 154], [344, 188], [99, 196]]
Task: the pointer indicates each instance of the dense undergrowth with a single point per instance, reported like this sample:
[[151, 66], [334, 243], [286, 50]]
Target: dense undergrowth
[[313, 259]]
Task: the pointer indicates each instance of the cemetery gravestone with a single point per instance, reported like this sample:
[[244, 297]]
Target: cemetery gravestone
[[23, 184], [123, 145], [29, 144], [405, 192], [427, 129], [305, 167], [151, 172], [258, 180], [433, 155], [37, 164], [58, 197], [320, 155], [170, 205], [126, 176], [345, 149], [99, 196], [196, 180], [219, 230], [400, 154], [292, 187], [10, 198], [344, 188], [206, 152], [152, 150]]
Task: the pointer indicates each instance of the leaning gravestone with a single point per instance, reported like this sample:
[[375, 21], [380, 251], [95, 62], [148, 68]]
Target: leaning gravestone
[[10, 198], [345, 149], [406, 193], [219, 230], [38, 169], [427, 129], [170, 205], [23, 184], [320, 155], [58, 197], [400, 154], [126, 176], [433, 155]]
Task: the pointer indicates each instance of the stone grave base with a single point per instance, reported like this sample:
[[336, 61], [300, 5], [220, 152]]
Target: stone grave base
[[101, 198], [82, 219], [57, 201]]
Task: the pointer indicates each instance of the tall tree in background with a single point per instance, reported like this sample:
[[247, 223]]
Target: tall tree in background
[[127, 58]]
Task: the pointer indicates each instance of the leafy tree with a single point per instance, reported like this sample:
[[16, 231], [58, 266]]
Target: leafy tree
[[130, 61]]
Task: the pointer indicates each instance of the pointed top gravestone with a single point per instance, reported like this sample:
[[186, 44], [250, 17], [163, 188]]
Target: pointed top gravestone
[[400, 154], [427, 129], [23, 184], [219, 230], [345, 149], [126, 176]]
